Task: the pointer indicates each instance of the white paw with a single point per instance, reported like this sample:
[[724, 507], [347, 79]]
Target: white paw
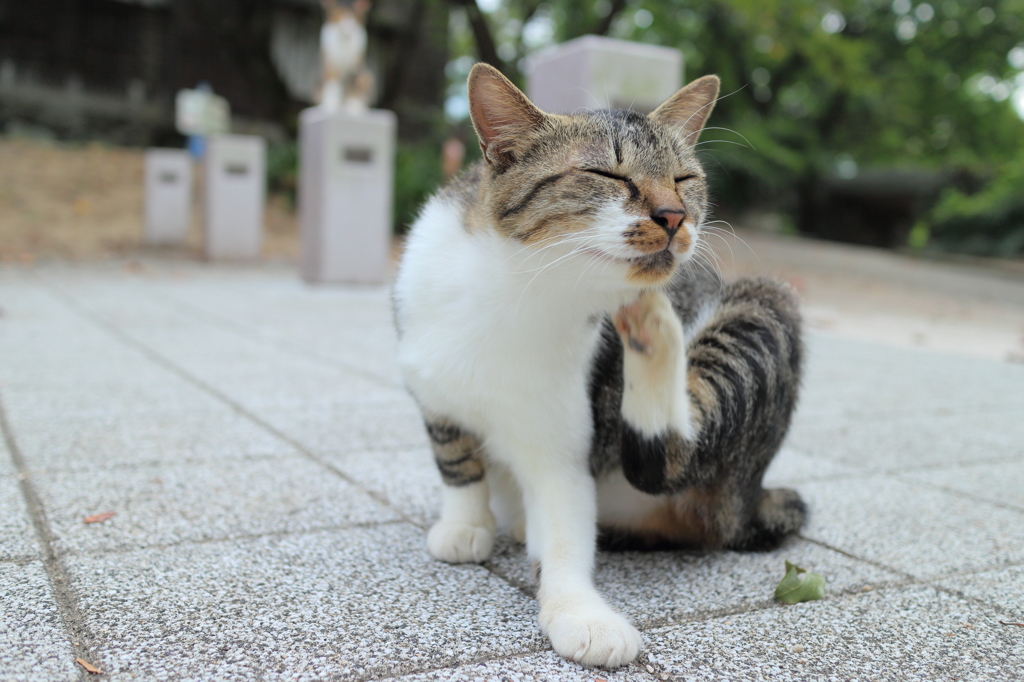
[[460, 543], [589, 632]]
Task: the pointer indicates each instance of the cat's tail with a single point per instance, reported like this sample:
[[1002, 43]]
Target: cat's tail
[[779, 513]]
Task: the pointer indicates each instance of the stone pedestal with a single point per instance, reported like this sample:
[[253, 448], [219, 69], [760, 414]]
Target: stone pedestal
[[168, 180], [235, 193], [594, 72], [346, 178]]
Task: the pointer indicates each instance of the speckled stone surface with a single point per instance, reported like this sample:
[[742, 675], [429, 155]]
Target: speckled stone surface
[[531, 667], [6, 463], [171, 504], [1003, 588], [998, 483], [33, 644], [346, 604], [17, 536], [657, 588], [913, 528], [407, 478], [119, 439], [915, 633], [273, 485]]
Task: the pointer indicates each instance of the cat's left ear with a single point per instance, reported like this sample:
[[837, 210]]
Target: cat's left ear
[[501, 114], [688, 110]]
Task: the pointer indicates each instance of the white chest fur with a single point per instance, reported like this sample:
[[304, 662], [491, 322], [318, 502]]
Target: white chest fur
[[495, 338]]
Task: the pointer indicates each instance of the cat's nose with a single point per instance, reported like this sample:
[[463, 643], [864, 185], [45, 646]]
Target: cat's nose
[[669, 218]]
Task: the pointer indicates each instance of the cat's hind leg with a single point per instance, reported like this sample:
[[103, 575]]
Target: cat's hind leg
[[465, 532], [702, 421]]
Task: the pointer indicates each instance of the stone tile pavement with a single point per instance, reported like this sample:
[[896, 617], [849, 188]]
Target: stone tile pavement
[[272, 487]]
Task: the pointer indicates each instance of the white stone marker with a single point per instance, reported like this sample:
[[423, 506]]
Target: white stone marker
[[346, 177], [168, 197], [594, 72], [235, 192]]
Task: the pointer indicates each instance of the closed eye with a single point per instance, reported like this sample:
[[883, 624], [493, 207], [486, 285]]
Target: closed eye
[[684, 178], [633, 191]]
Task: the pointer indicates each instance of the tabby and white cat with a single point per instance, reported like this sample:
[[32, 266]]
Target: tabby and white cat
[[574, 374]]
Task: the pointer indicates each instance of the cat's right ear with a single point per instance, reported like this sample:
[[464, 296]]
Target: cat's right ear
[[688, 110], [501, 114]]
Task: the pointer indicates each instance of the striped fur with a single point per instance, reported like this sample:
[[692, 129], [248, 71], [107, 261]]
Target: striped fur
[[459, 455]]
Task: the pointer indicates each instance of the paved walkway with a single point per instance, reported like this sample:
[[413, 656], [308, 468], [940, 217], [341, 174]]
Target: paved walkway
[[271, 486]]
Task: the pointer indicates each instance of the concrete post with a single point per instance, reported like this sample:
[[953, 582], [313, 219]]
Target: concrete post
[[346, 177], [594, 72], [168, 182], [235, 192]]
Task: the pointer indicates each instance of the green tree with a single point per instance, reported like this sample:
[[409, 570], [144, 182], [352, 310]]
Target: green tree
[[811, 89]]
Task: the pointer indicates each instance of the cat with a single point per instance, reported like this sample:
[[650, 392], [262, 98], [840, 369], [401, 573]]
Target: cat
[[574, 372], [346, 83]]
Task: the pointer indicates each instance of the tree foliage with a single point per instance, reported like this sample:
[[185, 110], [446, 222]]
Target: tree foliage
[[811, 89]]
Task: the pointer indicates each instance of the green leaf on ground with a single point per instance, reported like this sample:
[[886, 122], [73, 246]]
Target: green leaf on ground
[[799, 585]]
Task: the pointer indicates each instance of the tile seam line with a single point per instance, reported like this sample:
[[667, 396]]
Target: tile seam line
[[518, 655], [63, 594], [913, 579], [960, 493], [281, 535], [238, 329], [931, 582], [159, 359]]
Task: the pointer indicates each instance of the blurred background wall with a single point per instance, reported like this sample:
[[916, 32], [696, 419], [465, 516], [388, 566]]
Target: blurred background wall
[[888, 123]]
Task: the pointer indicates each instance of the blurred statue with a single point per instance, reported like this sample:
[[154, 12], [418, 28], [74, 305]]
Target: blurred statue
[[347, 83]]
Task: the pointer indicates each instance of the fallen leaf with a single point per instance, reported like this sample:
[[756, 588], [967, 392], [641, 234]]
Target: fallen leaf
[[98, 518], [798, 585], [89, 667]]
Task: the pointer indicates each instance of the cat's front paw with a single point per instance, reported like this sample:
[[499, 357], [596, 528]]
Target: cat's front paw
[[588, 631], [460, 543], [649, 326]]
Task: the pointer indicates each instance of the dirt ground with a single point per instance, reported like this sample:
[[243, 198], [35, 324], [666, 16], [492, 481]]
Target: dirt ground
[[86, 202]]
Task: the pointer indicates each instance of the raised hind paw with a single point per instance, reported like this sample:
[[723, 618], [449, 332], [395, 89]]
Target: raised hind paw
[[649, 326], [460, 543], [653, 365], [586, 630]]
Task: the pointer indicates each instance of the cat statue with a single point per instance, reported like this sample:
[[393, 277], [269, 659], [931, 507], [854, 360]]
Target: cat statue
[[346, 83], [582, 377]]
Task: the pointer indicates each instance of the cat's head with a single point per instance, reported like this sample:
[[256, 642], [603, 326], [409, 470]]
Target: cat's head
[[614, 188]]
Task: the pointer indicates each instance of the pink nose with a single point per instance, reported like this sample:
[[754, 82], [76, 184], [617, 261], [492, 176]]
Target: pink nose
[[669, 218]]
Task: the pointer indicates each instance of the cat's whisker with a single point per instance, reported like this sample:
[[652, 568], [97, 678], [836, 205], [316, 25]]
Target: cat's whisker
[[539, 271], [700, 259], [710, 104], [711, 258], [727, 130], [714, 233], [594, 258], [732, 233], [740, 144], [549, 242], [583, 243]]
